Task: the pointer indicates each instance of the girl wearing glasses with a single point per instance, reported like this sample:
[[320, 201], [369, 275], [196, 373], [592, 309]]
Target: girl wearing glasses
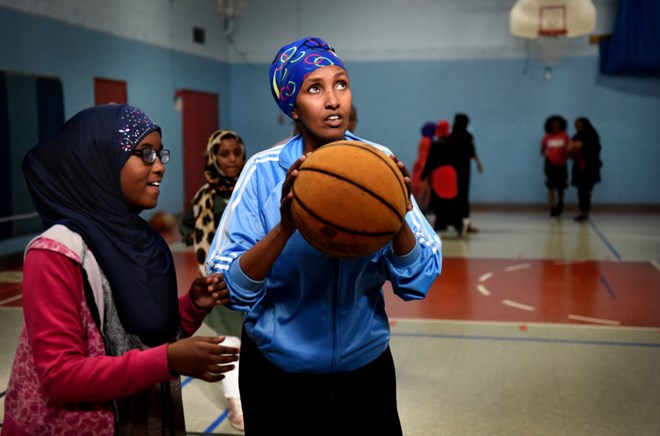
[[105, 337]]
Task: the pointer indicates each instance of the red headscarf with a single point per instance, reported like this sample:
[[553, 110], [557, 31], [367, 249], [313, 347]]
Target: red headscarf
[[422, 153], [442, 129]]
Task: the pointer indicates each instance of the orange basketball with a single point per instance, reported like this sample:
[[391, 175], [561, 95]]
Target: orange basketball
[[163, 221], [349, 199]]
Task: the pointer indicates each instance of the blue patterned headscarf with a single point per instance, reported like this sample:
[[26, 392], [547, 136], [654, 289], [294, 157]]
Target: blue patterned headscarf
[[74, 178], [293, 63], [428, 129]]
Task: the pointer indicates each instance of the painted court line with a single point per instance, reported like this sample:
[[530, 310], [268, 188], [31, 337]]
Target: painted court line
[[11, 299], [401, 322], [485, 277], [483, 290], [217, 421], [593, 320], [605, 241], [186, 381], [517, 267], [528, 339], [518, 305], [655, 264], [610, 291]]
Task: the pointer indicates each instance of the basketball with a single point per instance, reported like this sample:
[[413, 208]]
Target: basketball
[[349, 199], [163, 221]]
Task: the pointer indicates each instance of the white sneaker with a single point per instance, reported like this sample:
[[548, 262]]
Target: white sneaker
[[235, 414], [464, 228]]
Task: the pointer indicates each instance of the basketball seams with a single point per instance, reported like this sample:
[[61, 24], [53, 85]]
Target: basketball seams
[[316, 238], [383, 158], [314, 215], [357, 185]]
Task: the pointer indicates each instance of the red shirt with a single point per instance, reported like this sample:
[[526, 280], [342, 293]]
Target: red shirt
[[554, 147]]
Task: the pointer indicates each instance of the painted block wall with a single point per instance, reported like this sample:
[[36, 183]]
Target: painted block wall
[[507, 107], [448, 57], [36, 45]]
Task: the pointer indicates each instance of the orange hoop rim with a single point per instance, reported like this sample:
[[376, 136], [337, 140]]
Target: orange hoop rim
[[553, 33]]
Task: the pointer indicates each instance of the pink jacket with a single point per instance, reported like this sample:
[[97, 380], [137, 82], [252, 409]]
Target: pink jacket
[[62, 382]]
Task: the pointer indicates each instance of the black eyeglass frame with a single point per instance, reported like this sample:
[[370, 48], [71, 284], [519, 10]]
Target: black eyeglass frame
[[148, 155]]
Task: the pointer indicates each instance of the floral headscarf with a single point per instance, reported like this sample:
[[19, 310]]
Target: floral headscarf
[[293, 63]]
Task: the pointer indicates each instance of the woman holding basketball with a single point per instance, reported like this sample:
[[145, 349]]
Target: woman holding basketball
[[316, 335]]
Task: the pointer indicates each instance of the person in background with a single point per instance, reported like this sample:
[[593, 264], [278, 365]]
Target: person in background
[[585, 152], [225, 158], [105, 337], [352, 120], [554, 147], [420, 187], [461, 143], [316, 335], [440, 171]]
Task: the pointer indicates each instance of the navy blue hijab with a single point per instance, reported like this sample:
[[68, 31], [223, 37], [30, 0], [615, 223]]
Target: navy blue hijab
[[74, 180]]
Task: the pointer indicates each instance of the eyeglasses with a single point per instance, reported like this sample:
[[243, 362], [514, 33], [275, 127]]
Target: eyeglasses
[[148, 155]]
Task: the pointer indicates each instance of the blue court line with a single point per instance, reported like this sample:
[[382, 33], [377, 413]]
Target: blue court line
[[605, 241], [542, 340], [185, 381], [217, 421], [608, 287]]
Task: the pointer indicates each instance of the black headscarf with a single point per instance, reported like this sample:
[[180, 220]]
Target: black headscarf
[[74, 180], [461, 144], [586, 168], [587, 130]]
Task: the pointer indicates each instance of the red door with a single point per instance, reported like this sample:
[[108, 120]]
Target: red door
[[110, 91], [200, 120]]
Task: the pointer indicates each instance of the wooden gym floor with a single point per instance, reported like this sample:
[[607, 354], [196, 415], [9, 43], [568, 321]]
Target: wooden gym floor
[[536, 326]]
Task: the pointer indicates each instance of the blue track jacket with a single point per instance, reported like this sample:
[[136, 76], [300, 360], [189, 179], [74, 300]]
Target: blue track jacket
[[314, 313]]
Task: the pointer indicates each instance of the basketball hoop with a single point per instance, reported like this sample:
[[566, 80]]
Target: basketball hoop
[[230, 8], [552, 22], [552, 32]]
